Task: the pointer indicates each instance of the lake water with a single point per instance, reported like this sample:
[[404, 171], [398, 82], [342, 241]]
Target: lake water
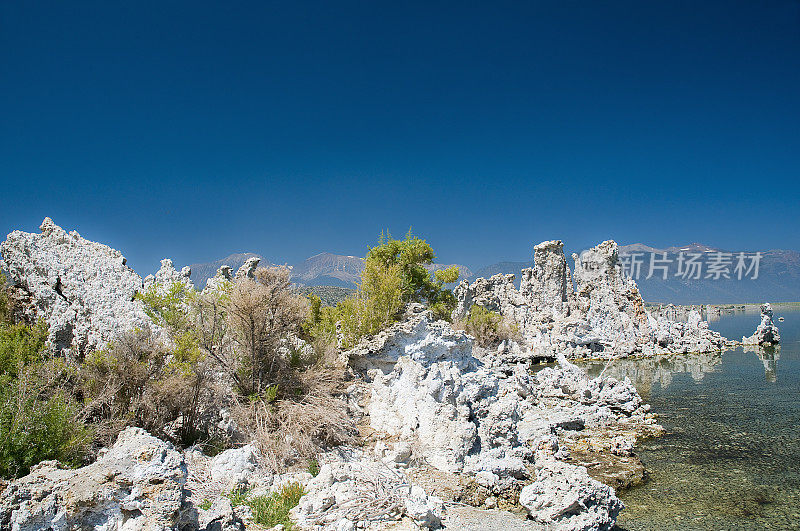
[[731, 455]]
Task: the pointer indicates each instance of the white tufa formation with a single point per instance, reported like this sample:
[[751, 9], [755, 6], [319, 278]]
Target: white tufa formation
[[82, 289], [473, 414], [355, 491], [137, 484], [767, 333], [602, 316]]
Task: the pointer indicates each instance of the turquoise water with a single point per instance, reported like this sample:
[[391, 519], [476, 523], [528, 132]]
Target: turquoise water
[[731, 455]]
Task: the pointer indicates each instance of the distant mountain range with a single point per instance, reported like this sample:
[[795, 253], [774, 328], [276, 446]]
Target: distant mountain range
[[778, 273], [778, 277]]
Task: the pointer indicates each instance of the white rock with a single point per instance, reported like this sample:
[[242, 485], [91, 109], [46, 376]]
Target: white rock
[[603, 316], [354, 490], [220, 517], [235, 466], [564, 497], [137, 484], [767, 333], [82, 289], [429, 390]]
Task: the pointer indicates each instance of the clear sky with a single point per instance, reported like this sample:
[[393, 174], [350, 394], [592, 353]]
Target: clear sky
[[197, 129]]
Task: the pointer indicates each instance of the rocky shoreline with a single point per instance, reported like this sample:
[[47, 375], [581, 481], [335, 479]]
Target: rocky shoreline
[[448, 430]]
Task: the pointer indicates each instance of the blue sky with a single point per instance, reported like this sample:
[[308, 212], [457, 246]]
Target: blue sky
[[197, 129]]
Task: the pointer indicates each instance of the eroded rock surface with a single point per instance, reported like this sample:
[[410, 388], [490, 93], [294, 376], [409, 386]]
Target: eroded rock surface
[[563, 496], [167, 276], [602, 316], [352, 489], [137, 484], [767, 333], [82, 289], [464, 410]]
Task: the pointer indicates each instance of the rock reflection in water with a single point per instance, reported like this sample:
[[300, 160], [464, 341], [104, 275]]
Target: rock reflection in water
[[769, 356], [644, 372]]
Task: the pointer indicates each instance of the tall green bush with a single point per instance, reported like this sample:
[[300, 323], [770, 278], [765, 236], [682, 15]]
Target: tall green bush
[[394, 274]]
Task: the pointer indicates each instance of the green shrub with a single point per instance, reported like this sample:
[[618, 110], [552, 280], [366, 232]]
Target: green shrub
[[487, 327], [38, 423], [238, 496], [20, 346], [394, 273], [313, 467], [5, 303], [273, 510]]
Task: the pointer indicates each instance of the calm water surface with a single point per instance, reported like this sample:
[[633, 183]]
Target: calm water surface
[[731, 455]]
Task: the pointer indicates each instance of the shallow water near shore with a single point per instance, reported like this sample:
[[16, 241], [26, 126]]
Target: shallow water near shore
[[731, 456]]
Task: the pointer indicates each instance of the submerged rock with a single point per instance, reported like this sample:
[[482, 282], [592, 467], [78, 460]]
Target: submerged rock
[[137, 484], [767, 333], [82, 289]]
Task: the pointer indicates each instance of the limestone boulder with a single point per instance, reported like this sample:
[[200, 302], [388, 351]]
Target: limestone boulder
[[83, 290], [137, 484]]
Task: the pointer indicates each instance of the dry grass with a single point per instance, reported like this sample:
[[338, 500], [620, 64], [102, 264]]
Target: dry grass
[[295, 429]]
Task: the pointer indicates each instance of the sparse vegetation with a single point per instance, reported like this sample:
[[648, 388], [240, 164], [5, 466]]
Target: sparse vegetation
[[328, 295], [237, 346], [272, 510], [38, 416], [262, 313]]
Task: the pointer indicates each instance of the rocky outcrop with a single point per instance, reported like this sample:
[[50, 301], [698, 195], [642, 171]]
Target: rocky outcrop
[[352, 491], [767, 333], [563, 496], [602, 316], [233, 467], [82, 289], [167, 276], [464, 410], [248, 269], [137, 484], [224, 275]]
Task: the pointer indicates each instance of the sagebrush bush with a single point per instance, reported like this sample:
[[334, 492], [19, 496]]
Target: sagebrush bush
[[137, 380], [262, 313], [309, 419]]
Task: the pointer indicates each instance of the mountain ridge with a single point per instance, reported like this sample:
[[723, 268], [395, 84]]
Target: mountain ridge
[[778, 280]]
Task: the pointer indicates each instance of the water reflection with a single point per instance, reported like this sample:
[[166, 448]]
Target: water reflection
[[660, 370], [657, 370], [729, 457], [769, 357]]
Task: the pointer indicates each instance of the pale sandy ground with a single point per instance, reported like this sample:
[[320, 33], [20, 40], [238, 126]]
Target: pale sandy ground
[[466, 518]]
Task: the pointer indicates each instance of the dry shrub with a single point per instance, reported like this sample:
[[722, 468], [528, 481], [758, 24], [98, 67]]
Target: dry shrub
[[262, 312], [138, 381], [297, 429]]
